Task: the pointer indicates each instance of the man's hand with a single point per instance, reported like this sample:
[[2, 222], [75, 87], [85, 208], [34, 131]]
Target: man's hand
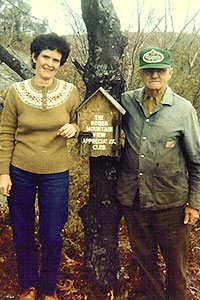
[[191, 216], [67, 131], [5, 184]]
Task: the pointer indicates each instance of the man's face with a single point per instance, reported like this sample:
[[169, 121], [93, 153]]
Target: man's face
[[155, 79]]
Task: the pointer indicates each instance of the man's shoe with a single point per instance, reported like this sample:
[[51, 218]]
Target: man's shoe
[[29, 294], [46, 297]]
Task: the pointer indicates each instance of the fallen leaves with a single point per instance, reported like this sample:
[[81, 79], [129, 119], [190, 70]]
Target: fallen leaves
[[75, 282]]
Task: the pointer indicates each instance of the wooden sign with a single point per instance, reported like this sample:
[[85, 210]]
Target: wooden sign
[[99, 119]]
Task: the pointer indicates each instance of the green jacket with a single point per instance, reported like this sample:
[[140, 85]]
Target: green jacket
[[161, 157]]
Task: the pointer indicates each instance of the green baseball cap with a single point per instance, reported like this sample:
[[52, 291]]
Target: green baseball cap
[[154, 57]]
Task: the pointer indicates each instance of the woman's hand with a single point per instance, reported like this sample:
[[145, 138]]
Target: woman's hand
[[5, 184], [67, 131]]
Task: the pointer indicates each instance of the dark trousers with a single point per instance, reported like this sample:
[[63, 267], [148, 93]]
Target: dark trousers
[[53, 213], [164, 228]]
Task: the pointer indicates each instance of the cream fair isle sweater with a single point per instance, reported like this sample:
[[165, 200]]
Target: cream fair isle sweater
[[31, 119]]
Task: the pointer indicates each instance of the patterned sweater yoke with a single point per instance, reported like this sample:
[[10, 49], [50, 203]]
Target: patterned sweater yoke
[[52, 97]]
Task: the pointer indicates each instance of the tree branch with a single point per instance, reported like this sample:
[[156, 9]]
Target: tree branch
[[14, 64]]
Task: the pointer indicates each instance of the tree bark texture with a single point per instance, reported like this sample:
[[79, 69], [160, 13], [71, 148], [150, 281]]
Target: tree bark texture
[[106, 46], [14, 63], [101, 215]]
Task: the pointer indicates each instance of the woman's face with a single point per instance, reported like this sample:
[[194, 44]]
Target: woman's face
[[47, 64]]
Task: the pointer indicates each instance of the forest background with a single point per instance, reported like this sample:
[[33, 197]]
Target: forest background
[[17, 29]]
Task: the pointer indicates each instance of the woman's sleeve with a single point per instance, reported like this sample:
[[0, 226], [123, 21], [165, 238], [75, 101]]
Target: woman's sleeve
[[7, 131]]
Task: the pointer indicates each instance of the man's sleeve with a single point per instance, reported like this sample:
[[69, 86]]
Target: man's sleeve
[[192, 148]]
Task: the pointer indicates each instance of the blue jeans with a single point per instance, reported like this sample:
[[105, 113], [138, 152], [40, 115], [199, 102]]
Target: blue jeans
[[52, 192]]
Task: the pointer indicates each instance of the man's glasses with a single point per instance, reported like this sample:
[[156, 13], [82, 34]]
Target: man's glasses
[[153, 70]]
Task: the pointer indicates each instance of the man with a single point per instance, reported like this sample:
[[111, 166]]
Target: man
[[159, 182]]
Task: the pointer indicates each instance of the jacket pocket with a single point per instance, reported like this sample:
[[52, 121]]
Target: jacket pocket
[[169, 158]]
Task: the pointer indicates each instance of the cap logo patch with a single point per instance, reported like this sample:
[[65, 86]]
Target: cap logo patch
[[153, 56]]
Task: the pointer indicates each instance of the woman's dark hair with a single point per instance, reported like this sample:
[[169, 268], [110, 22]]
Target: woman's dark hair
[[50, 41]]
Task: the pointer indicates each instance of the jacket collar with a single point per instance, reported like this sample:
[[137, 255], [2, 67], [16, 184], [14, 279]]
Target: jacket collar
[[167, 98]]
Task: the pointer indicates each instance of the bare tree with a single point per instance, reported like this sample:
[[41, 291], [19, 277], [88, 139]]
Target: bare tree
[[102, 214], [159, 31], [15, 64]]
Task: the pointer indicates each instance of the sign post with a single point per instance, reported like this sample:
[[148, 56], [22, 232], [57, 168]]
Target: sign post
[[100, 140]]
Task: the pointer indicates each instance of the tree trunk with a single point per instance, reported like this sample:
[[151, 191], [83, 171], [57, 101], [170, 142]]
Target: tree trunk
[[14, 63], [101, 215], [106, 46]]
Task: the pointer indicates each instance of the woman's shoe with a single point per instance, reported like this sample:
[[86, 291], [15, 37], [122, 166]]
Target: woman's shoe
[[46, 297], [29, 294]]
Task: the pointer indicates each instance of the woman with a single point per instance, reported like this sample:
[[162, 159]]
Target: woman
[[38, 118]]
